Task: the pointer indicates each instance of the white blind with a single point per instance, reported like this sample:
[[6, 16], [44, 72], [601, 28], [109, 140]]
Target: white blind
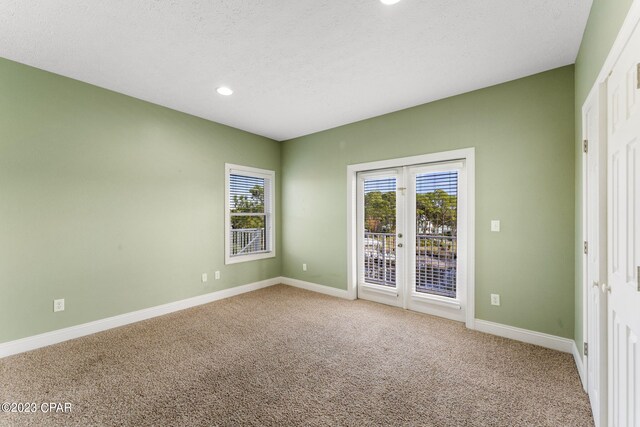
[[246, 194]]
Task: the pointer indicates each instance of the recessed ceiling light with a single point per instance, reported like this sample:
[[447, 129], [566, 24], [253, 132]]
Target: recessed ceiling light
[[224, 91], [389, 2]]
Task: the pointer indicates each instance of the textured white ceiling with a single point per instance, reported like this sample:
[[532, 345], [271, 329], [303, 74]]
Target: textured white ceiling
[[297, 66]]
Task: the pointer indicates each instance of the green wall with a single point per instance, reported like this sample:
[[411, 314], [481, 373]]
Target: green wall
[[116, 204], [523, 132], [109, 202], [604, 23]]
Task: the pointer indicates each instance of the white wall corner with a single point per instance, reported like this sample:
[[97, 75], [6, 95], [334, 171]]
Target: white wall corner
[[577, 357], [315, 287], [553, 342], [48, 338]]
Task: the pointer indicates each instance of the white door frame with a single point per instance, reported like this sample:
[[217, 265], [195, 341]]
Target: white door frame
[[595, 103], [466, 154]]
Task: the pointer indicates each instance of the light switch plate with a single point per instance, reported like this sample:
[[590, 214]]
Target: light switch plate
[[495, 225]]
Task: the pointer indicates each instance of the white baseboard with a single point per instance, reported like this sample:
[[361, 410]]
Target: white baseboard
[[60, 335], [322, 289], [538, 338], [42, 340], [577, 357]]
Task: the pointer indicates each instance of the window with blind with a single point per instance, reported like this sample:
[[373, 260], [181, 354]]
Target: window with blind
[[249, 230]]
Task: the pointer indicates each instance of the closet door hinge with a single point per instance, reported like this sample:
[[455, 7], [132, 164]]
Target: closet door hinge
[[585, 145], [586, 247], [586, 349]]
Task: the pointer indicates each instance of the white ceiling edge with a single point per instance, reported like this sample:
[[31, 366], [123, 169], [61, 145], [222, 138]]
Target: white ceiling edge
[[297, 67]]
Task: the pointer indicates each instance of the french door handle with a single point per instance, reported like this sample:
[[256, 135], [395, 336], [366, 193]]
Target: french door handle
[[595, 284], [606, 288]]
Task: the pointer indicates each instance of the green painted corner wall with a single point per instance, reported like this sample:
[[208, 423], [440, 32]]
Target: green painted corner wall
[[115, 204], [109, 202], [523, 132], [605, 21]]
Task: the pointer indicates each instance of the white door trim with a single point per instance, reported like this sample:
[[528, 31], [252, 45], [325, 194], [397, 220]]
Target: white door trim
[[467, 154], [596, 105], [583, 207]]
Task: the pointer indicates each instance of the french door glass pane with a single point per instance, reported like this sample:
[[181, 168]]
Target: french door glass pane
[[380, 231], [436, 233]]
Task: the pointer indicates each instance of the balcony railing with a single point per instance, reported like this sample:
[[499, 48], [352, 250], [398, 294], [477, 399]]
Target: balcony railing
[[380, 258], [436, 260], [248, 241]]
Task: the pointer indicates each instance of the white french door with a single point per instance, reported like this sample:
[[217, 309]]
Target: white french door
[[623, 155], [381, 212], [412, 237]]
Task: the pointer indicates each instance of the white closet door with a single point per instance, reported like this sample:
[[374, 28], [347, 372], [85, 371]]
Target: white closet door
[[624, 237]]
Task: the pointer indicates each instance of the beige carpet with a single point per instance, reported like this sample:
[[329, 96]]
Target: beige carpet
[[283, 356]]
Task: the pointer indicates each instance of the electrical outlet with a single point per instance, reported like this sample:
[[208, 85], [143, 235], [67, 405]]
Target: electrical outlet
[[205, 277], [216, 275], [495, 225], [495, 299], [304, 267], [58, 305]]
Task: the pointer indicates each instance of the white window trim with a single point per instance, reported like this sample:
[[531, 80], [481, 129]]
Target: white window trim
[[230, 168]]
